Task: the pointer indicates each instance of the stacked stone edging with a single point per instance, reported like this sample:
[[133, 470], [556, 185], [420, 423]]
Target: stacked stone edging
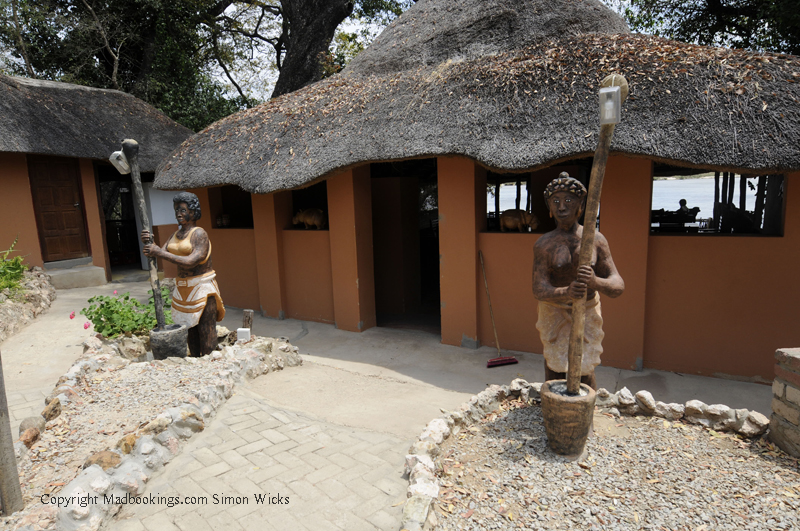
[[784, 426], [37, 295], [420, 466], [162, 438]]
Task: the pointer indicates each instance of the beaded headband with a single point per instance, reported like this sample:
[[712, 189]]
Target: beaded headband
[[565, 183]]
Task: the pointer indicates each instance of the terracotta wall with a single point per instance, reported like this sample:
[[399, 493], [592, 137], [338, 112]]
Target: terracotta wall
[[462, 213], [508, 258], [724, 304], [16, 215], [625, 222], [272, 214], [309, 280], [95, 221], [352, 263]]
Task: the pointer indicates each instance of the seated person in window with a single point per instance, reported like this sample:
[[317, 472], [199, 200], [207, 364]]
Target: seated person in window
[[683, 209], [557, 281]]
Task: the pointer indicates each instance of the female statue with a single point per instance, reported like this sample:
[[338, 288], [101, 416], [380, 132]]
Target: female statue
[[557, 281], [196, 302]]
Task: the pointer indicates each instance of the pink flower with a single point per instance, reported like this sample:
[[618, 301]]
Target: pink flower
[[115, 292], [72, 315], [86, 325]]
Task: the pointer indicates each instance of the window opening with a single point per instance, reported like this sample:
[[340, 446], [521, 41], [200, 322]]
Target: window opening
[[231, 207], [697, 202]]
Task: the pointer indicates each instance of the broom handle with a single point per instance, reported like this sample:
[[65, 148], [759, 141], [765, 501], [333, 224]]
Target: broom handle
[[491, 313]]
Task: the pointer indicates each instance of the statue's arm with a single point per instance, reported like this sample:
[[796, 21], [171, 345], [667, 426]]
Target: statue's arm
[[607, 279]]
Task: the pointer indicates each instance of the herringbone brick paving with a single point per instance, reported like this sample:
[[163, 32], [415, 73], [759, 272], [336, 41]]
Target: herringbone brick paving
[[335, 477]]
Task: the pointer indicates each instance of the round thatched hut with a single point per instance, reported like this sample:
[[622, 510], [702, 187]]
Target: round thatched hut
[[455, 99], [71, 211]]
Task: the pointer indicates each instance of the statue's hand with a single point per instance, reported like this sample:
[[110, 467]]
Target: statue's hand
[[587, 277], [146, 236], [576, 290], [152, 249]]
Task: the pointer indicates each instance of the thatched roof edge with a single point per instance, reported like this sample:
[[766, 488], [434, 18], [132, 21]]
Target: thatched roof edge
[[52, 118], [689, 105]]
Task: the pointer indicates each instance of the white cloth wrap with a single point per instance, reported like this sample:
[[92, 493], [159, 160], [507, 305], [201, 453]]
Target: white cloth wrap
[[554, 324]]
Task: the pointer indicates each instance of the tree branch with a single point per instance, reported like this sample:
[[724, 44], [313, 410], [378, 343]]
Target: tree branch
[[107, 45], [221, 63], [22, 49]]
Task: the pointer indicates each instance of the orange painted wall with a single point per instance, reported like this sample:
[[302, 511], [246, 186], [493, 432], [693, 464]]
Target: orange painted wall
[[352, 264], [309, 280], [625, 222], [234, 259], [94, 220], [508, 258], [724, 304], [461, 196], [17, 216], [272, 213]]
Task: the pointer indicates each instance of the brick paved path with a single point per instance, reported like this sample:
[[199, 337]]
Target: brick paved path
[[335, 477]]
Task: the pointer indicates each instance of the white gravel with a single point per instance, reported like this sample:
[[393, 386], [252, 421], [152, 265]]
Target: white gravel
[[639, 473]]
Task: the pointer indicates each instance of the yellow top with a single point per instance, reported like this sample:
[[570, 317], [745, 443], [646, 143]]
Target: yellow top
[[183, 247]]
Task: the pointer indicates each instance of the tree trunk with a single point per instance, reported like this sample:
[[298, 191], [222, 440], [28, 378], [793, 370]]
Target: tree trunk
[[10, 490], [716, 201], [742, 193], [528, 195], [308, 37], [773, 209], [761, 191], [497, 197], [731, 180]]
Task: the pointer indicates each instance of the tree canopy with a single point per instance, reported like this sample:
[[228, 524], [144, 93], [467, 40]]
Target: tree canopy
[[196, 60], [765, 25]]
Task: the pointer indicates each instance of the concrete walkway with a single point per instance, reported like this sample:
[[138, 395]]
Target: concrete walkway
[[330, 435]]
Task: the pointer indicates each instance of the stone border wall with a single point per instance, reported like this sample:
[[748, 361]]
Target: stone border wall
[[784, 425], [37, 295], [423, 486], [163, 438]]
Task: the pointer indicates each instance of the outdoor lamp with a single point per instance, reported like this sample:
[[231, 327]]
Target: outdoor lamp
[[610, 105], [120, 162]]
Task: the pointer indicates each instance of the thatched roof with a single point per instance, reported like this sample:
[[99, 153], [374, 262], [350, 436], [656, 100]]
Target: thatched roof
[[50, 118], [519, 110]]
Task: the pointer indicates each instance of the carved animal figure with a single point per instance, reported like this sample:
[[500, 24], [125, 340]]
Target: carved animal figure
[[517, 219], [310, 217]]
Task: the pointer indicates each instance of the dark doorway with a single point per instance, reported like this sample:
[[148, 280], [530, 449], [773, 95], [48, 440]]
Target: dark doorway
[[405, 229], [58, 205], [117, 200]]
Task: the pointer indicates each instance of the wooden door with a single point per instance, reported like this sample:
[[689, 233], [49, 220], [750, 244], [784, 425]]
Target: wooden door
[[57, 201]]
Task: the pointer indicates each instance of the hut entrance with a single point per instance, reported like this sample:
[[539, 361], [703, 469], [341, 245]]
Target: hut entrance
[[405, 229], [120, 217]]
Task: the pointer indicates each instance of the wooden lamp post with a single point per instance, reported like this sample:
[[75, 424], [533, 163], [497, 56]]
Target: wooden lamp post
[[568, 406], [165, 340], [614, 91]]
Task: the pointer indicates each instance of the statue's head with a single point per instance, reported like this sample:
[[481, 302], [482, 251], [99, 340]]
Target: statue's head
[[192, 203], [558, 192], [565, 183]]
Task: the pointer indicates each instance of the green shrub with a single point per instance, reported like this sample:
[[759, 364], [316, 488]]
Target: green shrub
[[11, 270], [122, 314]]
